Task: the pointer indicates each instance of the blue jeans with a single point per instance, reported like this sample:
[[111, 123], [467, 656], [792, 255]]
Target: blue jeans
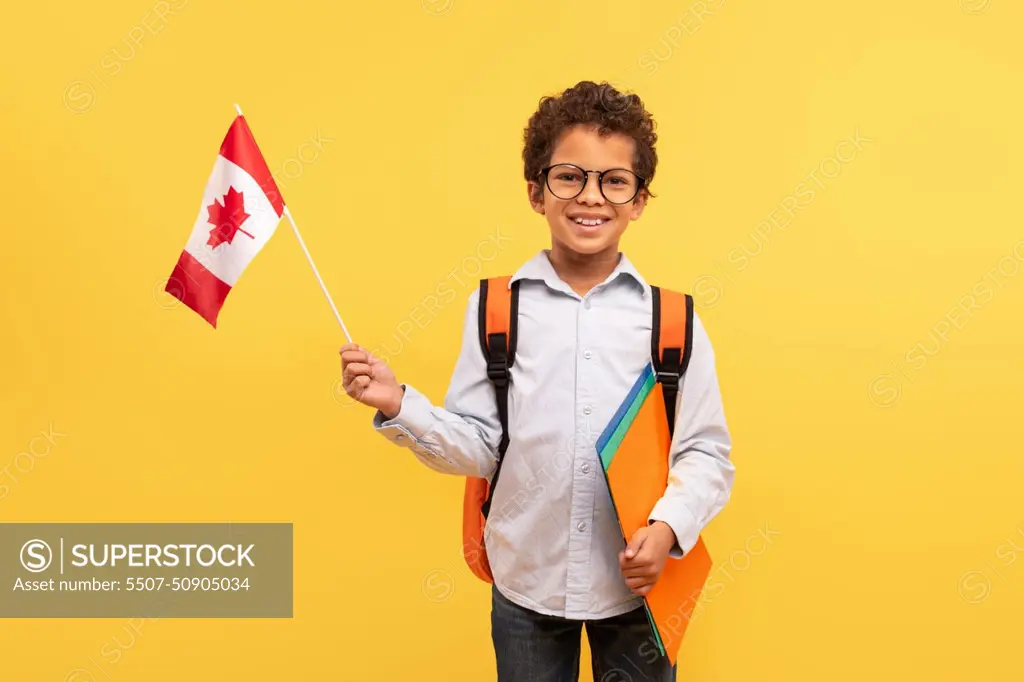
[[532, 647]]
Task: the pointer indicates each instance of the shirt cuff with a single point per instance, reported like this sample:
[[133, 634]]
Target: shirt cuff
[[414, 419], [677, 515]]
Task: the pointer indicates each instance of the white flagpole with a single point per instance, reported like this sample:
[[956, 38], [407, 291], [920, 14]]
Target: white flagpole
[[288, 214]]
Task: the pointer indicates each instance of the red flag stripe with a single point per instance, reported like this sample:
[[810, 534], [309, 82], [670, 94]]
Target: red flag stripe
[[198, 288], [240, 148]]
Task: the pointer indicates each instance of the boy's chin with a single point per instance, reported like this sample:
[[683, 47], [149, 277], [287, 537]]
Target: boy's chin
[[587, 246]]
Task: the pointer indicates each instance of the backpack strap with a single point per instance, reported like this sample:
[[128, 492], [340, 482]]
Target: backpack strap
[[499, 323], [671, 343]]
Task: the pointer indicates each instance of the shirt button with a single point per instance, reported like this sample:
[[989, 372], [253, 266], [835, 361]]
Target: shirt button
[[587, 354], [581, 526], [586, 304], [587, 410], [585, 468]]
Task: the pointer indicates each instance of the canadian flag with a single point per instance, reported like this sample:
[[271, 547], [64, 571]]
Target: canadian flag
[[240, 211]]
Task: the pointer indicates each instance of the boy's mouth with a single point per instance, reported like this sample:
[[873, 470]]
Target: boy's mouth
[[588, 224]]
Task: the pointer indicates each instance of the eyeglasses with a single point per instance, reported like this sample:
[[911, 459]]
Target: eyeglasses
[[617, 185]]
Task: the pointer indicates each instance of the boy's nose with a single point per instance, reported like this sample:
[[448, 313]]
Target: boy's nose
[[591, 193]]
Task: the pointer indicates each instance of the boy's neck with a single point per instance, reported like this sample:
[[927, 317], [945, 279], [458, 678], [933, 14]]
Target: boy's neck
[[582, 272]]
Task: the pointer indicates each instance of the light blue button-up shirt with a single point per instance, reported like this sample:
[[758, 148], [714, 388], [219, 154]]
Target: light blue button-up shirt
[[551, 536]]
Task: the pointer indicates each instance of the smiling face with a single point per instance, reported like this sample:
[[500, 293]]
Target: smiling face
[[589, 224]]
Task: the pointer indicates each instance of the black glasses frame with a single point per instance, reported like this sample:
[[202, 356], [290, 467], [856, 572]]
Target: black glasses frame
[[641, 181]]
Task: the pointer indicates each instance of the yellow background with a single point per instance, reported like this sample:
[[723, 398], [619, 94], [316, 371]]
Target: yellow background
[[890, 490]]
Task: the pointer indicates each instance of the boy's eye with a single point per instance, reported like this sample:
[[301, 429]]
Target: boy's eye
[[619, 179], [565, 174]]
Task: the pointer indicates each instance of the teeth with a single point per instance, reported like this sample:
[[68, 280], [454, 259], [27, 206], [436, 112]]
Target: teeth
[[589, 222]]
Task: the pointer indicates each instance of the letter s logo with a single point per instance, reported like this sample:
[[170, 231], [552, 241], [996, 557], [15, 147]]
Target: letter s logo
[[36, 556]]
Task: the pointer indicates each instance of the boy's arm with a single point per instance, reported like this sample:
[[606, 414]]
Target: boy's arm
[[461, 438], [701, 474]]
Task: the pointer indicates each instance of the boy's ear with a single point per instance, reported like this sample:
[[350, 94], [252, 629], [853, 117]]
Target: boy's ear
[[639, 203], [535, 193]]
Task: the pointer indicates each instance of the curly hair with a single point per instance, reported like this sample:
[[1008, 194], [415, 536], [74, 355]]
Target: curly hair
[[593, 104]]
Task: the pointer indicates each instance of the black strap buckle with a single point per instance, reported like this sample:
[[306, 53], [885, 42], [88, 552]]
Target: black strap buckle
[[497, 360], [668, 368], [498, 373], [670, 379]]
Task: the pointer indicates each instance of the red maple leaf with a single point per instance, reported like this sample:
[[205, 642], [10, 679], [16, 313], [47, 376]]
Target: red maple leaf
[[227, 218]]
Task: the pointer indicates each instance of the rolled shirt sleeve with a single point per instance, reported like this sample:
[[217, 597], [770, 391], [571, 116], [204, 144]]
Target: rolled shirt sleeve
[[701, 473]]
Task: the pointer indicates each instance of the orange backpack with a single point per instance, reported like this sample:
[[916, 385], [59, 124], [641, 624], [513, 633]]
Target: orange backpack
[[671, 342]]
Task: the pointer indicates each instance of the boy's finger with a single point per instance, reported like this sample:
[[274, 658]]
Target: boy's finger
[[356, 387], [635, 543], [645, 555], [635, 572], [353, 356], [352, 348], [357, 369], [639, 564], [627, 561]]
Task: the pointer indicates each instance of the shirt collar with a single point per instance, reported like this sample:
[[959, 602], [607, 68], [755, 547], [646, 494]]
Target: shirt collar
[[539, 268]]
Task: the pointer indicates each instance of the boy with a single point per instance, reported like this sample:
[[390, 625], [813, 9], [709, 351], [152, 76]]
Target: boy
[[552, 538]]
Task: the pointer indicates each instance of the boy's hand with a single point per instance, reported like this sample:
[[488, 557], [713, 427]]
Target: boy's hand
[[644, 558], [368, 379]]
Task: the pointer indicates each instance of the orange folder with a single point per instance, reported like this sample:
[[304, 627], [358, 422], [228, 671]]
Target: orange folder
[[634, 451]]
